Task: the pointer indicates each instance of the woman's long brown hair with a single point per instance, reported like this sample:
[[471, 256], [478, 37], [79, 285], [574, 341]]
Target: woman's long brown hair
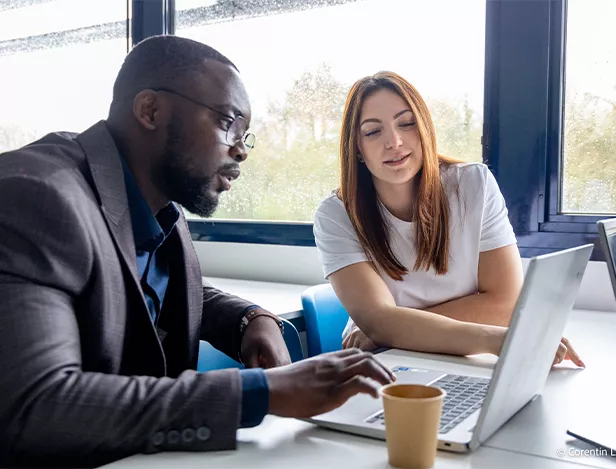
[[358, 193]]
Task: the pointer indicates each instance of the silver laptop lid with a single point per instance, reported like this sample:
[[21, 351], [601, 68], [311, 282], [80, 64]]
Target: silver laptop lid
[[550, 288], [607, 237]]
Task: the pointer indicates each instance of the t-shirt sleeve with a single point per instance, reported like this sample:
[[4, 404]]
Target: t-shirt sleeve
[[335, 237], [496, 229]]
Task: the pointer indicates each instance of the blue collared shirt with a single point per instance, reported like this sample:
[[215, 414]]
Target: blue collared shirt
[[150, 233]]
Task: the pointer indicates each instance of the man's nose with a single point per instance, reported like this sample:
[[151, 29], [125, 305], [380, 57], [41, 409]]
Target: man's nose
[[239, 152]]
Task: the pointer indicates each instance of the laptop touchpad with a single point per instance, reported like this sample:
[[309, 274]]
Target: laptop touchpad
[[411, 375]]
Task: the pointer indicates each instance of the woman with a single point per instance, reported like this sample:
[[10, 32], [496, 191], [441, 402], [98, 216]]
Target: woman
[[417, 246]]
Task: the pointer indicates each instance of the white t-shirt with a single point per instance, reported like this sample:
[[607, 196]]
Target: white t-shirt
[[478, 222]]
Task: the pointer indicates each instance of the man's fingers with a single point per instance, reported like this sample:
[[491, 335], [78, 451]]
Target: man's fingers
[[364, 364], [355, 385], [351, 356], [341, 353], [387, 371]]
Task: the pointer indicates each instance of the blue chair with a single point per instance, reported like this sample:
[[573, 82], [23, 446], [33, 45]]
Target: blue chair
[[325, 319], [211, 358]]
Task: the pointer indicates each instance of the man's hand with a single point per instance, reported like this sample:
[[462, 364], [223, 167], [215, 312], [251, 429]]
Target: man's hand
[[357, 339], [263, 345], [566, 352], [323, 383]]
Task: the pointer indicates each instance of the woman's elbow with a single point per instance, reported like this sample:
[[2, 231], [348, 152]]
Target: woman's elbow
[[504, 310]]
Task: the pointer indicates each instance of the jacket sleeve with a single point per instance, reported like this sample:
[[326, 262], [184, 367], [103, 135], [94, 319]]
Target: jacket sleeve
[[52, 412], [220, 324]]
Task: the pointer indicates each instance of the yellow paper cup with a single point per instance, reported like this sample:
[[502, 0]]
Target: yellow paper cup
[[412, 418]]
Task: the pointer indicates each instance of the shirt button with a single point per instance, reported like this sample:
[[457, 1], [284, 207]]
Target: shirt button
[[158, 438], [173, 437], [204, 433], [188, 435]]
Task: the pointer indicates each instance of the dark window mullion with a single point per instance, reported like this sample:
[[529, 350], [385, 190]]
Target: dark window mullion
[[517, 77], [149, 18], [558, 23]]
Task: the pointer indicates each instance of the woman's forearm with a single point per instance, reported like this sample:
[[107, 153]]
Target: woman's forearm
[[423, 331], [481, 308]]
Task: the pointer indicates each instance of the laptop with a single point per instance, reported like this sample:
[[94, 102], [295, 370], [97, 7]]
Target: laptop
[[474, 408], [607, 237], [593, 430]]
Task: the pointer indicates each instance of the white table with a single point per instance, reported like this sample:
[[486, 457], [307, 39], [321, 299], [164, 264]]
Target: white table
[[278, 298], [534, 438]]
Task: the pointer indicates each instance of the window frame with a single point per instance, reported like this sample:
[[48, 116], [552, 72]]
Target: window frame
[[524, 93], [556, 221], [151, 18], [529, 170]]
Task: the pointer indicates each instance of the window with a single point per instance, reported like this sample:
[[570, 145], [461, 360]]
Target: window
[[589, 147], [58, 59], [298, 60]]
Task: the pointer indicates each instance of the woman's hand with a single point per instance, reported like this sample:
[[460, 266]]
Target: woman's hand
[[566, 352], [357, 339]]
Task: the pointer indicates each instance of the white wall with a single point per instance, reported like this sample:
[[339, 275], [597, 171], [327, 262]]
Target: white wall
[[264, 262], [301, 266]]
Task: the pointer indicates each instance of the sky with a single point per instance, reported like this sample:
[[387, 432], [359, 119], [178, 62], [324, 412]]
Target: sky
[[438, 45], [59, 15], [591, 47]]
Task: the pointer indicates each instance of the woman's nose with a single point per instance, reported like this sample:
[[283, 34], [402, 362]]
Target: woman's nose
[[394, 139]]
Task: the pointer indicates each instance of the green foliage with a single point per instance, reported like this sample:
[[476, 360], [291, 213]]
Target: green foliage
[[589, 176], [295, 163]]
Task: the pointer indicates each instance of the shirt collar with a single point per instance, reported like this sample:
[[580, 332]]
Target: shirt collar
[[148, 231]]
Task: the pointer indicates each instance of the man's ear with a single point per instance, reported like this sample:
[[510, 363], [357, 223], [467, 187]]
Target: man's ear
[[145, 109]]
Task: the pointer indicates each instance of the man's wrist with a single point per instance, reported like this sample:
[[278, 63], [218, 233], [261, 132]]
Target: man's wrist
[[254, 312]]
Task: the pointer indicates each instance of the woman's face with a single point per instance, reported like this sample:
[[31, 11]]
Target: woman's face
[[388, 139]]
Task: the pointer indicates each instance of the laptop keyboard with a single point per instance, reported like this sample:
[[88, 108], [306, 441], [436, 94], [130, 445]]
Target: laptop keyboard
[[464, 396]]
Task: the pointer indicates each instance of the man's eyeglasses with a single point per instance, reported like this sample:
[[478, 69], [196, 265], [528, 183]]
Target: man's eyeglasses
[[237, 130]]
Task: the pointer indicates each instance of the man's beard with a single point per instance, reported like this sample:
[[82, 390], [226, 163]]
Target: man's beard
[[190, 191]]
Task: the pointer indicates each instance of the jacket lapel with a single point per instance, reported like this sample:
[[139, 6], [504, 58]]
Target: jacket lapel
[[106, 168], [194, 289], [108, 177]]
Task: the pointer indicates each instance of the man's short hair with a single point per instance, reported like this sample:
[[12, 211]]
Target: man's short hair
[[161, 61]]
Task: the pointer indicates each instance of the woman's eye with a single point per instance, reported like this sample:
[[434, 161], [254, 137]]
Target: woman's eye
[[408, 124], [372, 132]]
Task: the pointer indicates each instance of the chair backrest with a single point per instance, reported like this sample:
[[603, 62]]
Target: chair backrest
[[325, 319], [211, 358], [294, 343]]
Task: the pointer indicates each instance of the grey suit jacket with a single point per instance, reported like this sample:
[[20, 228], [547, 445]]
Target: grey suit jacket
[[84, 378]]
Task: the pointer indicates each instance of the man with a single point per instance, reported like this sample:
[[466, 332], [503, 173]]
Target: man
[[102, 303]]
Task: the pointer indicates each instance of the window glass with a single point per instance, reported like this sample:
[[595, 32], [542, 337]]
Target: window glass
[[298, 63], [589, 145], [58, 60]]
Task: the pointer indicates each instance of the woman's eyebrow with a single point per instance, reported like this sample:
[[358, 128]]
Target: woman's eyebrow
[[378, 121]]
